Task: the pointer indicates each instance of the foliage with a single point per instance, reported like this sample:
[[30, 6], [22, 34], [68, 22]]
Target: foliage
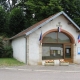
[[16, 21], [42, 9], [8, 52], [1, 48], [2, 19], [5, 51], [72, 8]]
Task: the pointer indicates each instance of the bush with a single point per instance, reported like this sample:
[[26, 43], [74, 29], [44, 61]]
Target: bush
[[1, 49], [8, 51], [5, 50]]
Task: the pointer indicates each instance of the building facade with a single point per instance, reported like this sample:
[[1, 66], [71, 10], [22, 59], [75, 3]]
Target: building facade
[[59, 40]]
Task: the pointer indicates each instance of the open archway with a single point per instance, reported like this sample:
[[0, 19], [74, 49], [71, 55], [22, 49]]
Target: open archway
[[57, 45]]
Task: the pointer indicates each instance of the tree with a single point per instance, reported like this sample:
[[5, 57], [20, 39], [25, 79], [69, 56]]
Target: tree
[[16, 22], [2, 19], [72, 8], [9, 4], [41, 9]]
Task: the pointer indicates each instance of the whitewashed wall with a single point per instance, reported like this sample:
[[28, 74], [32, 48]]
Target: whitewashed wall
[[19, 49], [34, 44], [34, 50]]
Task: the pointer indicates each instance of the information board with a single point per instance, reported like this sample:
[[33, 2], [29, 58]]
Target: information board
[[78, 49]]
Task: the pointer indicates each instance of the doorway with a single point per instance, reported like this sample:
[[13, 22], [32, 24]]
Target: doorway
[[57, 51], [57, 45], [68, 56]]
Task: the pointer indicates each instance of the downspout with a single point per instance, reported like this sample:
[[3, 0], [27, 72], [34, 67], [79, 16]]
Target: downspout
[[27, 49]]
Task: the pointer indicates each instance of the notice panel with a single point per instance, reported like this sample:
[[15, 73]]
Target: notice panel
[[78, 49]]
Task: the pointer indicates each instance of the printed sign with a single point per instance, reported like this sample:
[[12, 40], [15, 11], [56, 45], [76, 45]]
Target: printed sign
[[67, 50], [78, 50]]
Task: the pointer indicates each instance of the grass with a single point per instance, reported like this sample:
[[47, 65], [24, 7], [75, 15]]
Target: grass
[[10, 62]]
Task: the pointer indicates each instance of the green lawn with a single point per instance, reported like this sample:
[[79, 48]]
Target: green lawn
[[10, 62]]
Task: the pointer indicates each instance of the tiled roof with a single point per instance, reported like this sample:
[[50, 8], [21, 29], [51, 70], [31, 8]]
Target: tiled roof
[[41, 23]]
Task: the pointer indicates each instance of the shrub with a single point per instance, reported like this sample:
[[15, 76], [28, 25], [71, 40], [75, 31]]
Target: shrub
[[1, 49], [5, 50], [8, 51]]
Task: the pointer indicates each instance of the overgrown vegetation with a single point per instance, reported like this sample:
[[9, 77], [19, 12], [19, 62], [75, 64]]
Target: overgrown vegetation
[[8, 52], [1, 48], [5, 50]]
